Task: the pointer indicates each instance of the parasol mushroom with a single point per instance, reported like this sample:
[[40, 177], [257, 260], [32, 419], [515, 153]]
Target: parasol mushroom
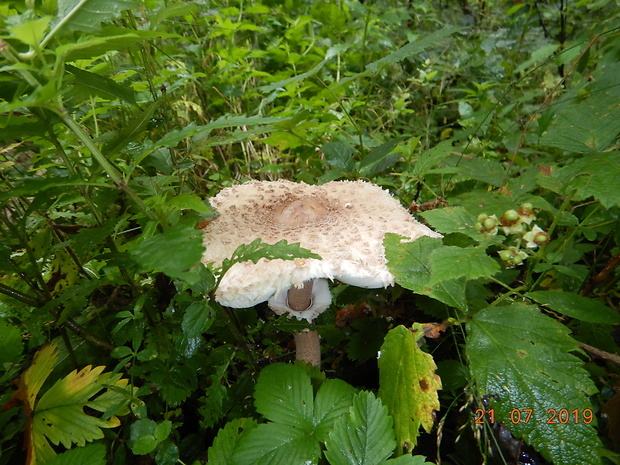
[[342, 221]]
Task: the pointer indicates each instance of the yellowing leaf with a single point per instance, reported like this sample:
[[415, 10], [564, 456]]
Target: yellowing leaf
[[408, 384], [59, 415]]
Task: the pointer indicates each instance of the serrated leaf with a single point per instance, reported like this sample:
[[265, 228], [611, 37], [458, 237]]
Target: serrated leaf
[[284, 395], [522, 356], [432, 158], [576, 306], [339, 156], [175, 252], [587, 126], [461, 262], [189, 201], [332, 401], [59, 415], [175, 381], [363, 436], [454, 220], [408, 385], [197, 318], [409, 263], [257, 249], [91, 454], [276, 444], [224, 444], [593, 175], [488, 171]]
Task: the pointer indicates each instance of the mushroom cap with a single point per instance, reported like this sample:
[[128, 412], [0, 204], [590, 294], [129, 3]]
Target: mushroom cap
[[342, 221]]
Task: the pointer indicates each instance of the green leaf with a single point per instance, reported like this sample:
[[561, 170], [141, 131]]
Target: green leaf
[[586, 126], [593, 175], [432, 157], [224, 444], [456, 262], [488, 171], [91, 454], [277, 444], [59, 415], [31, 32], [112, 38], [197, 318], [189, 202], [131, 131], [451, 220], [11, 344], [175, 252], [380, 158], [408, 385], [101, 86], [409, 263], [576, 306], [522, 356], [175, 381], [142, 438], [332, 401], [363, 436], [284, 395], [257, 250], [86, 15], [339, 155]]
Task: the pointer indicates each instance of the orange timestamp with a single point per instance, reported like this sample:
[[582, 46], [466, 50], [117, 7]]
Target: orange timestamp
[[525, 415]]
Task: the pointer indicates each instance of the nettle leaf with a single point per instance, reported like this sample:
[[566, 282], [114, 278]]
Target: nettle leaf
[[522, 356], [177, 252], [408, 385], [298, 420], [409, 263], [460, 262], [364, 435], [576, 306]]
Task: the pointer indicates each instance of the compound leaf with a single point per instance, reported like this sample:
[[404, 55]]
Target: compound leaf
[[364, 436]]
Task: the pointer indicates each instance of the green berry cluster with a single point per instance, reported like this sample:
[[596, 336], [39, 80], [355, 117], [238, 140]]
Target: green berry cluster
[[515, 223]]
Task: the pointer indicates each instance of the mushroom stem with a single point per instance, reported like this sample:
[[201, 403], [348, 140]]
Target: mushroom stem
[[300, 299], [307, 342], [308, 347]]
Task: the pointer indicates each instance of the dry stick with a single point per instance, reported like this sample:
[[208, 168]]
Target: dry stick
[[307, 342], [598, 353]]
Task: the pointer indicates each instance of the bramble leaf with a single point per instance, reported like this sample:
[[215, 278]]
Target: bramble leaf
[[576, 306], [408, 385], [409, 263], [522, 356], [460, 262]]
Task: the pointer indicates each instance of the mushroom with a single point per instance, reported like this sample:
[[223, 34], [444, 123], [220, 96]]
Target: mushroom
[[342, 221]]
